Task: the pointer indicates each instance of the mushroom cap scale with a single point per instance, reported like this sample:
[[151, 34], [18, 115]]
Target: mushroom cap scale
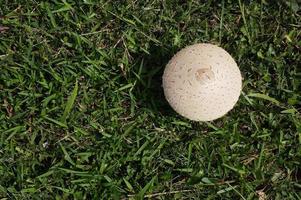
[[202, 82]]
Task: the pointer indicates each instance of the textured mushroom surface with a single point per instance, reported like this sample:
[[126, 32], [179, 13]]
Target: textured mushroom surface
[[202, 82]]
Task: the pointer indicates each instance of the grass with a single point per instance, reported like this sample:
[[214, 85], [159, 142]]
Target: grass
[[83, 116]]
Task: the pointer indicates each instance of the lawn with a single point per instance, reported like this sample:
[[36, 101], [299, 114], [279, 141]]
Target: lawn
[[83, 114]]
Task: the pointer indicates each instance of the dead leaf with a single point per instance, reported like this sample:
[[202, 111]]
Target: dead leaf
[[249, 159], [238, 19], [9, 108], [261, 195], [122, 69], [3, 28]]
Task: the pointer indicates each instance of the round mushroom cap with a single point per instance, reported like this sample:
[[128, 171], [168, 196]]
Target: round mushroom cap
[[202, 82]]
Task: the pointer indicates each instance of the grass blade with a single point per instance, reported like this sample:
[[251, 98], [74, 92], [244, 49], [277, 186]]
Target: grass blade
[[56, 122], [70, 103], [67, 156], [128, 184], [146, 188], [49, 13], [265, 97]]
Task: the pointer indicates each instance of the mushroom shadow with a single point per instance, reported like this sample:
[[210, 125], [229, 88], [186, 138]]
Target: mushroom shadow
[[150, 90]]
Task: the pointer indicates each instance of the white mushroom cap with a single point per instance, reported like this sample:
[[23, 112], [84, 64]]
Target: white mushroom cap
[[202, 82]]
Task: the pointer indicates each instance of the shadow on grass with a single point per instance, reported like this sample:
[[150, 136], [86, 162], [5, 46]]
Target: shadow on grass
[[151, 94]]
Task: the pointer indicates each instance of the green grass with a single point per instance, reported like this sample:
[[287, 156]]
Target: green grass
[[83, 115]]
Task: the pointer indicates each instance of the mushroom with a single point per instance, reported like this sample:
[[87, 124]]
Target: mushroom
[[202, 82]]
